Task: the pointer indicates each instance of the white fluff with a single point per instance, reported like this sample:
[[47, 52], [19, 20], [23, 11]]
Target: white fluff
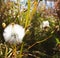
[[44, 24], [14, 34]]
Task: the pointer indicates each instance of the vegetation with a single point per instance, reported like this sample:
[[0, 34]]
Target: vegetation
[[42, 31]]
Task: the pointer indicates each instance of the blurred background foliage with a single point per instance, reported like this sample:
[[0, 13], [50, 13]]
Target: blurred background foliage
[[39, 42]]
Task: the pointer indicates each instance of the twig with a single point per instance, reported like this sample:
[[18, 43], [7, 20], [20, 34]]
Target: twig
[[38, 42], [41, 40]]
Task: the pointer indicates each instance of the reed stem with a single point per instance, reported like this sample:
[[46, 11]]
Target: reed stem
[[6, 51], [21, 50]]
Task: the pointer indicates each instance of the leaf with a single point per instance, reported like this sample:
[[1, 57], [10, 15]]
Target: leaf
[[57, 40]]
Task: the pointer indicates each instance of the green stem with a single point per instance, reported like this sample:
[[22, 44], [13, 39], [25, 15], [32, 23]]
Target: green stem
[[6, 51], [28, 14], [14, 53], [21, 50]]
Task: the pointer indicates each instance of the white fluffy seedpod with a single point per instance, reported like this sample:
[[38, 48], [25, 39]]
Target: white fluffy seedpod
[[44, 24], [14, 33]]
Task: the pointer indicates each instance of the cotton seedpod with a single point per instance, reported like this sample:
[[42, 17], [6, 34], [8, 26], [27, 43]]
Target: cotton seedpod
[[44, 24], [14, 33]]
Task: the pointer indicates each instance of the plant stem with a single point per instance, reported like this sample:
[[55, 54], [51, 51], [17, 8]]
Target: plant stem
[[14, 52], [21, 50], [6, 51], [27, 15]]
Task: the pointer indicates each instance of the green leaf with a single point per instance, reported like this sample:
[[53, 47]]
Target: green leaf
[[57, 40]]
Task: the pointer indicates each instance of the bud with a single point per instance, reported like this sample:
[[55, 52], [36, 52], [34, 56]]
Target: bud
[[3, 25]]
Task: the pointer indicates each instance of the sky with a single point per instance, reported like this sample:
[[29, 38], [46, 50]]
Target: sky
[[48, 3]]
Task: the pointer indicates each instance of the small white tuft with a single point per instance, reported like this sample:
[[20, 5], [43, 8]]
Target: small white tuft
[[44, 24]]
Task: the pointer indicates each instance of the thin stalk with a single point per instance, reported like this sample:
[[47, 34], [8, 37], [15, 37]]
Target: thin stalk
[[18, 2], [21, 50], [40, 41], [6, 51], [14, 53], [28, 14], [34, 9]]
